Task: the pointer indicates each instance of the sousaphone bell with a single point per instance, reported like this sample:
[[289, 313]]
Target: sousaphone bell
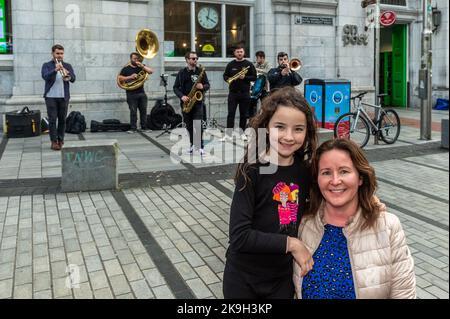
[[147, 45]]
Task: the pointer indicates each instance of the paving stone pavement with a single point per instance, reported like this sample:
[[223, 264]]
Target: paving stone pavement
[[165, 234]]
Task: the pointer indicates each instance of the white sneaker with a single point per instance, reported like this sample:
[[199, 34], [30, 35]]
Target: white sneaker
[[131, 131], [244, 137], [202, 152], [190, 151]]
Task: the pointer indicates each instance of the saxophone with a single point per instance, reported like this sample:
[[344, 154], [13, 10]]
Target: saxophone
[[195, 94]]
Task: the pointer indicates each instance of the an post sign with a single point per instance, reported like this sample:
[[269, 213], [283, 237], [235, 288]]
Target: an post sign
[[387, 18]]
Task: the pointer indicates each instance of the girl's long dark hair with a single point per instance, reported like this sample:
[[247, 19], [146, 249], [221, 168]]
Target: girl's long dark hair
[[288, 97], [370, 207]]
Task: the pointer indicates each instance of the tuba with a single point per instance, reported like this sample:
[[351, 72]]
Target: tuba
[[147, 45], [295, 64]]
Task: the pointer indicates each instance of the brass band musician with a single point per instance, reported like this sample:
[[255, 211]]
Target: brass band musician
[[238, 74], [260, 88], [283, 75], [136, 97], [189, 82]]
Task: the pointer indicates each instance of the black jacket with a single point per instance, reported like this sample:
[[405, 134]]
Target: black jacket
[[258, 237], [185, 80], [240, 86], [278, 81], [48, 73]]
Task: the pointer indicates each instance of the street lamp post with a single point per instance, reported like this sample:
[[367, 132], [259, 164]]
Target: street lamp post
[[425, 73]]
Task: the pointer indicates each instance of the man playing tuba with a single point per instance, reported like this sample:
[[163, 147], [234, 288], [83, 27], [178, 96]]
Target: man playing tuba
[[136, 97]]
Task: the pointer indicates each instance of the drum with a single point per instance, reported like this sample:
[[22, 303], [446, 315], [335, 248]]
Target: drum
[[258, 87]]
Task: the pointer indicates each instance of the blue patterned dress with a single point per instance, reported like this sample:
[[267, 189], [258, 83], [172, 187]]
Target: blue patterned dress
[[331, 276]]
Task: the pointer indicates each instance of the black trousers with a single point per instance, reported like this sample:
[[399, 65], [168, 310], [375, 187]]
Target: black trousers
[[254, 104], [196, 113], [241, 99], [137, 102], [56, 112], [238, 284]]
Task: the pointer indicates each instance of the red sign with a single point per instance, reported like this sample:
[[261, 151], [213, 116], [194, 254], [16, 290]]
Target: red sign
[[387, 18]]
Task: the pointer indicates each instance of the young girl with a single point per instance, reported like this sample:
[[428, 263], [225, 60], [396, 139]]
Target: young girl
[[266, 208]]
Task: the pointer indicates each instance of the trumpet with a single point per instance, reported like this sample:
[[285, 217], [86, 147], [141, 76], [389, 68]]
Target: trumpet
[[65, 76], [238, 75], [295, 64]]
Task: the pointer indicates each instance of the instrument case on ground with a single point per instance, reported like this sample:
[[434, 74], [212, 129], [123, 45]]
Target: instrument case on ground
[[109, 125], [23, 123]]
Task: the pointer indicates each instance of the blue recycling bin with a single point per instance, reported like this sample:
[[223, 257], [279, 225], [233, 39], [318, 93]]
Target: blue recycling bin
[[329, 99]]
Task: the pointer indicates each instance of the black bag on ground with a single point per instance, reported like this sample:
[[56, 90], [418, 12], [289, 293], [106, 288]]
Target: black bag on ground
[[24, 123], [161, 115], [75, 123], [109, 125]]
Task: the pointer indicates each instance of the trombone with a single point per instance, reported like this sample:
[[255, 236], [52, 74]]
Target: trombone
[[147, 45]]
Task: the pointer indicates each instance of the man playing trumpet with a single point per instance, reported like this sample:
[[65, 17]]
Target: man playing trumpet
[[57, 75], [239, 87], [284, 74]]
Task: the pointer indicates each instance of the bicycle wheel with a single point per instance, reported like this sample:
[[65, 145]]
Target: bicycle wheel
[[345, 128], [389, 126]]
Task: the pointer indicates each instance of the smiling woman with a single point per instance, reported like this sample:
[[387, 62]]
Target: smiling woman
[[359, 250]]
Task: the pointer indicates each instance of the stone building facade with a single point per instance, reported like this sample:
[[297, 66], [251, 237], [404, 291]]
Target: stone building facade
[[98, 37]]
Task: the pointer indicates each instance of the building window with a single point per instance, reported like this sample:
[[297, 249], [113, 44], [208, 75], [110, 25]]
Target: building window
[[238, 31], [211, 29], [5, 27], [177, 28], [394, 2], [208, 29]]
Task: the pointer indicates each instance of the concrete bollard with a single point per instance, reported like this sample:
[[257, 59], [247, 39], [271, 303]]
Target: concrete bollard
[[89, 165], [324, 134], [444, 133]]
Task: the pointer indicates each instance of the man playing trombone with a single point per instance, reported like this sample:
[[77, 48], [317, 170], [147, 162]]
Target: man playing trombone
[[285, 74], [57, 75], [238, 74]]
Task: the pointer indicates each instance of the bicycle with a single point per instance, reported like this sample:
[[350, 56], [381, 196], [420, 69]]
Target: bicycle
[[358, 125]]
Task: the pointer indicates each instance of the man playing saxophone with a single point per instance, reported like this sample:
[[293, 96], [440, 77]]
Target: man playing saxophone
[[192, 83], [238, 74]]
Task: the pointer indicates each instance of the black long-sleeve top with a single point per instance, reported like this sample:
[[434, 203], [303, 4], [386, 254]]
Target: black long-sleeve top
[[240, 86], [258, 231], [277, 80], [185, 80]]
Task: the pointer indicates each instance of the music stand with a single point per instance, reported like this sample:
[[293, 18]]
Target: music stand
[[163, 82]]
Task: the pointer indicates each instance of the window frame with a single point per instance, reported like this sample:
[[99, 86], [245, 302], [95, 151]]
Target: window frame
[[245, 3], [6, 20]]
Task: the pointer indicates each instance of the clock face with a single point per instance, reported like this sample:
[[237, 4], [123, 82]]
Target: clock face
[[208, 17]]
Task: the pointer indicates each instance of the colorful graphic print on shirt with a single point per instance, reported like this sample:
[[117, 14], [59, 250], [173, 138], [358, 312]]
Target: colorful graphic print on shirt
[[287, 195]]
